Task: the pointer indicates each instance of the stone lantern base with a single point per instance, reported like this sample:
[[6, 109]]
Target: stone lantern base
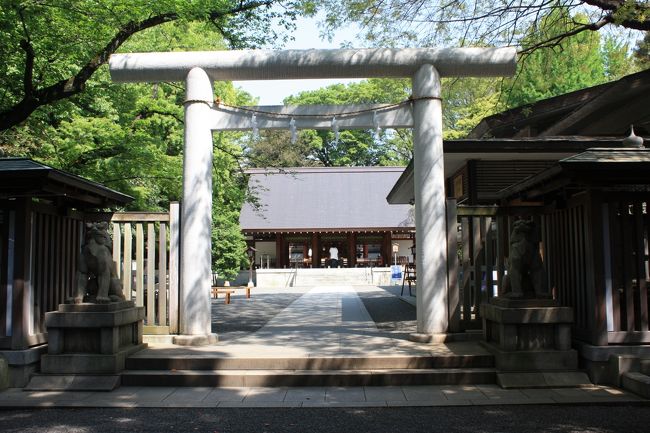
[[531, 342], [88, 345]]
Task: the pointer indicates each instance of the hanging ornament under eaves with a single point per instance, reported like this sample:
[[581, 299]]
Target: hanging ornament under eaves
[[375, 124], [294, 133], [335, 129], [254, 125]]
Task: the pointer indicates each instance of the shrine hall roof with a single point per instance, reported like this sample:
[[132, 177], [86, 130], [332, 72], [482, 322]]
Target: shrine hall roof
[[325, 198]]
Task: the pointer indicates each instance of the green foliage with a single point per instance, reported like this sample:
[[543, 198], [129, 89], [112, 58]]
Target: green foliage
[[642, 52], [274, 149], [51, 48], [128, 137], [617, 60], [354, 147], [466, 102], [571, 64], [229, 193]]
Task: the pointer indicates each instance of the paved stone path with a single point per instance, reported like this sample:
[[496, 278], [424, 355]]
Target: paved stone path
[[399, 396]]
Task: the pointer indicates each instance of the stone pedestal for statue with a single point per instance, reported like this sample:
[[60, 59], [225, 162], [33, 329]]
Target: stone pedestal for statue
[[531, 342], [88, 345]]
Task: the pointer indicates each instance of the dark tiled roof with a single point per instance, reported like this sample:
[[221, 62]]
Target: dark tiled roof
[[21, 177], [607, 155], [325, 198], [604, 168], [603, 110]]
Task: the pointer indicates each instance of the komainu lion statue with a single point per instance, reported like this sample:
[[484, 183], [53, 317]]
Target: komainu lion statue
[[526, 277], [97, 280]]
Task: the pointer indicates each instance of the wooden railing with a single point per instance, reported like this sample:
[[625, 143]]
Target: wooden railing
[[146, 250], [568, 262], [39, 249], [596, 255], [55, 247], [477, 242], [38, 259], [627, 224], [475, 263]]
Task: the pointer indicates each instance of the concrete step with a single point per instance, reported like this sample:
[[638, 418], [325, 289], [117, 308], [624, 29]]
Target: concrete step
[[637, 383], [333, 277], [210, 362], [251, 378], [644, 366], [543, 379], [73, 382]]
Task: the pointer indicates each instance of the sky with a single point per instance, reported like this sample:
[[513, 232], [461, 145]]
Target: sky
[[305, 37]]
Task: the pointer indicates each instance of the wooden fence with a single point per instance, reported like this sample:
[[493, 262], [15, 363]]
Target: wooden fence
[[478, 238], [146, 251], [39, 248], [38, 260], [628, 219], [596, 254], [568, 259], [475, 262]]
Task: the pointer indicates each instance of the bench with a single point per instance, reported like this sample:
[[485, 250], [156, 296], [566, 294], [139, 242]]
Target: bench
[[229, 291], [223, 290]]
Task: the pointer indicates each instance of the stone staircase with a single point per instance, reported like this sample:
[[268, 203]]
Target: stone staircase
[[333, 277], [210, 370], [342, 276], [637, 379]]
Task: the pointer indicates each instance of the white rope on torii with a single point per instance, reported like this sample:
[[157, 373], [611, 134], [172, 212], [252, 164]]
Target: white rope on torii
[[425, 66]]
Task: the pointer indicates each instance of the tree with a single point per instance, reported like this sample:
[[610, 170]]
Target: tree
[[471, 22], [130, 138], [642, 52], [274, 149], [466, 102], [51, 48], [574, 63], [229, 193]]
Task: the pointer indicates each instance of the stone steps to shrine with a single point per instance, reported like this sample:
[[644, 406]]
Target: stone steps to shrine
[[317, 371]]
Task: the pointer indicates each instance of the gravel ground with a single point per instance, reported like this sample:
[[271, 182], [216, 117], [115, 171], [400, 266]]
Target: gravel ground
[[477, 419]]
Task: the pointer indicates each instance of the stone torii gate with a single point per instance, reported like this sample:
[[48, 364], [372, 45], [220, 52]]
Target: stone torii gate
[[425, 66]]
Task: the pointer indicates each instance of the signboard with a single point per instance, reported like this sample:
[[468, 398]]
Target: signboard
[[395, 274]]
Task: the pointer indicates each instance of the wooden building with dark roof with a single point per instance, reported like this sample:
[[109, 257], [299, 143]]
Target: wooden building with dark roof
[[570, 164], [606, 110], [42, 213], [303, 212], [510, 146]]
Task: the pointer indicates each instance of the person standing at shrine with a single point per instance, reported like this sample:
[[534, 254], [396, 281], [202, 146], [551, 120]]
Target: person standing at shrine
[[334, 257]]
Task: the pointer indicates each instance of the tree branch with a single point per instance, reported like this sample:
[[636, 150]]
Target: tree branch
[[632, 15], [75, 84], [28, 76], [557, 40]]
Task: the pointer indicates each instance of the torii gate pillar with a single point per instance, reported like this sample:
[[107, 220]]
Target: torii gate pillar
[[430, 214], [196, 217]]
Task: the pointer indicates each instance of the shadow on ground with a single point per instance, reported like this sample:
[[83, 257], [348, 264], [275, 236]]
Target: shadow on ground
[[387, 310], [244, 316]]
